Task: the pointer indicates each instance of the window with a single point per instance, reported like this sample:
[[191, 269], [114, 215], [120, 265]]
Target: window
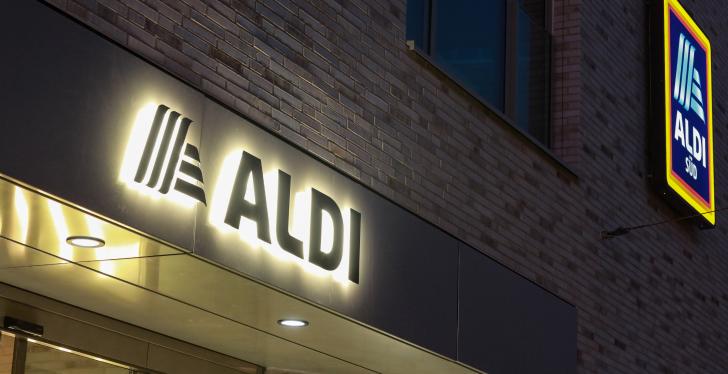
[[499, 50], [21, 355]]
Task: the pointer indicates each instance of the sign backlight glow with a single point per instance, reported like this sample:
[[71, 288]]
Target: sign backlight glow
[[307, 226], [688, 112]]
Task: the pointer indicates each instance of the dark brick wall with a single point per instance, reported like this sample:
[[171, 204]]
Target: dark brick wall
[[335, 77], [566, 81], [654, 301]]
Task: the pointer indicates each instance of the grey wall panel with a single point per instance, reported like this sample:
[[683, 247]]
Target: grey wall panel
[[68, 98], [510, 325], [411, 275]]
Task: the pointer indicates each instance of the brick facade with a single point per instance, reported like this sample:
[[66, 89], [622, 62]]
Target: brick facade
[[566, 81], [336, 78]]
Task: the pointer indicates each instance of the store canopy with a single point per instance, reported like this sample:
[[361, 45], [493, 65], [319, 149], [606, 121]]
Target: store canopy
[[143, 281]]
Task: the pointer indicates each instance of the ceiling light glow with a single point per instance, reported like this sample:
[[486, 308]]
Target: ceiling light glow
[[85, 241], [293, 323]]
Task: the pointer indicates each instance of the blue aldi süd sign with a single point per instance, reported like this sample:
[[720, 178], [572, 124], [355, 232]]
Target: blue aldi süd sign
[[688, 122]]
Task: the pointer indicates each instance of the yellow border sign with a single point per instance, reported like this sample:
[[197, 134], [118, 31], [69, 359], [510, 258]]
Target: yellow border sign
[[688, 112]]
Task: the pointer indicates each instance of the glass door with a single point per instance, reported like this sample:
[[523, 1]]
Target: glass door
[[21, 355]]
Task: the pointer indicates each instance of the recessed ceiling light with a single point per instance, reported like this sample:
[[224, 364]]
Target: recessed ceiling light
[[293, 322], [85, 241]]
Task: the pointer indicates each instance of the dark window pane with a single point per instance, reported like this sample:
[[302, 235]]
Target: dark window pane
[[535, 9], [532, 77], [468, 40], [417, 23]]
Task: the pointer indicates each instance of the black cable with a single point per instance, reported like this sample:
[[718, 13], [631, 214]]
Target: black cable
[[619, 231]]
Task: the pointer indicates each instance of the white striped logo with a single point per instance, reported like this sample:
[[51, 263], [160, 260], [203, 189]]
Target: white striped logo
[[167, 161], [688, 90]]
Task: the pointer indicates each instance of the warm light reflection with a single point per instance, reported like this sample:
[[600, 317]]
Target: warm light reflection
[[133, 153], [61, 227], [117, 252], [68, 350], [108, 268], [108, 255], [137, 140], [94, 226], [180, 198], [112, 250], [23, 213]]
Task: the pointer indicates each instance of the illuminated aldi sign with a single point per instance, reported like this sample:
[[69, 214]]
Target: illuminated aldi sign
[[308, 226], [682, 103]]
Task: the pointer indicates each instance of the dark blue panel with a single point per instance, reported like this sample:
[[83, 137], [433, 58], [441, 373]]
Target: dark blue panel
[[510, 325], [469, 41], [418, 23], [533, 71]]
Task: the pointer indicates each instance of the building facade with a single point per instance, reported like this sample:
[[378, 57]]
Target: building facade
[[507, 193]]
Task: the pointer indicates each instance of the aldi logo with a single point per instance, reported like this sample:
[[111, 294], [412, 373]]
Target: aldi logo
[[688, 91], [165, 141], [306, 225], [167, 161], [688, 123]]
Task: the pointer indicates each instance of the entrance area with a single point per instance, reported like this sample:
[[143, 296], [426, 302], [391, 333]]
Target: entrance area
[[22, 355], [138, 304], [68, 340]]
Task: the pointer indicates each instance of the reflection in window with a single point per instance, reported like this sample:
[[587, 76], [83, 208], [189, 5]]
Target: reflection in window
[[499, 50], [21, 355], [468, 40], [45, 359], [418, 19], [532, 76]]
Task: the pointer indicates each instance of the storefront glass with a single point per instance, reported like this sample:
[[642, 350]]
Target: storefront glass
[[20, 355]]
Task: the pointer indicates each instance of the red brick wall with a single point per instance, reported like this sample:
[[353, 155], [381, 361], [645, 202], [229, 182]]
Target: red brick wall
[[335, 77]]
